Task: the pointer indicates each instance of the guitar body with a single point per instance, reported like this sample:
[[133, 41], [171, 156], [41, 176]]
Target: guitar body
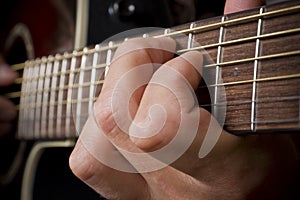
[[29, 36], [38, 169]]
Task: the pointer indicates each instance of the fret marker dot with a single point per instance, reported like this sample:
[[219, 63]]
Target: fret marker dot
[[236, 71]]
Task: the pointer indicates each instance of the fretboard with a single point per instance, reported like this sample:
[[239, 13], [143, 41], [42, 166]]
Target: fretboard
[[256, 59]]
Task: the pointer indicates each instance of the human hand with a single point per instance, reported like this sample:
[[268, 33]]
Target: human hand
[[7, 109], [232, 6], [236, 168]]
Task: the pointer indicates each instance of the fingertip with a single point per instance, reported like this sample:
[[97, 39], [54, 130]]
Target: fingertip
[[7, 75], [195, 58], [232, 6], [158, 49], [169, 43], [189, 65]]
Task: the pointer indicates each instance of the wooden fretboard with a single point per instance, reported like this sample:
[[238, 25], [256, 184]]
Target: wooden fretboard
[[256, 58]]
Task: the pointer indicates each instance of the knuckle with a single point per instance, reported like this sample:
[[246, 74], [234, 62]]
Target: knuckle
[[105, 120], [80, 162]]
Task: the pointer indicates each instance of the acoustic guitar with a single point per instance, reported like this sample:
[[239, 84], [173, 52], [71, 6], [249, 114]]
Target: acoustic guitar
[[256, 59]]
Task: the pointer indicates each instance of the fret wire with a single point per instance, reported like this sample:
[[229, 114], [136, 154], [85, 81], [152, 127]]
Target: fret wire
[[93, 78], [264, 36], [233, 21], [69, 93], [32, 112], [29, 119], [66, 55], [80, 89], [21, 123], [45, 108], [145, 35], [108, 58], [60, 97], [53, 96], [37, 127], [228, 22], [166, 31], [190, 37], [285, 54], [86, 100], [276, 78], [255, 72], [240, 40], [212, 85], [217, 68]]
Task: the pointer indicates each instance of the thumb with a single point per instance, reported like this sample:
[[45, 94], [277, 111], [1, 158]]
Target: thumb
[[232, 6]]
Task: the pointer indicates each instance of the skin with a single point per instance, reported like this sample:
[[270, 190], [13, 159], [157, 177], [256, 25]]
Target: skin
[[7, 109], [249, 167]]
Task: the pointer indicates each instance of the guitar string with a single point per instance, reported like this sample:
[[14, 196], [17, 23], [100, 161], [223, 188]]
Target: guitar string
[[18, 93], [66, 56], [290, 120], [262, 123], [238, 20], [87, 100], [89, 68], [219, 24], [101, 82], [102, 66], [209, 46]]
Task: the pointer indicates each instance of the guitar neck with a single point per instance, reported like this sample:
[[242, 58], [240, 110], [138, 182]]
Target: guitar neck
[[255, 75]]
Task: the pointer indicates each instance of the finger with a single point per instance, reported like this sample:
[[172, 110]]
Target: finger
[[110, 183], [232, 6], [131, 69], [87, 149], [158, 119], [7, 75], [151, 132]]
